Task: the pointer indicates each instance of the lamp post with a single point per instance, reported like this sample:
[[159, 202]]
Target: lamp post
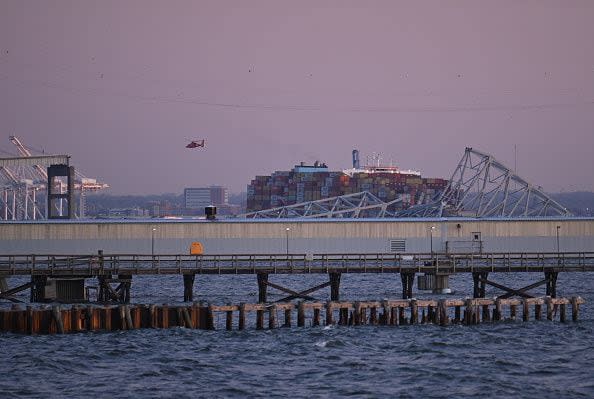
[[558, 251], [287, 236], [431, 235], [153, 241]]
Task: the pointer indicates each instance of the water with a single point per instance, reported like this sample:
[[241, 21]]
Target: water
[[538, 359]]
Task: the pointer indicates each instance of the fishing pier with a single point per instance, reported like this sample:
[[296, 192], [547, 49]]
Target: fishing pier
[[114, 273]]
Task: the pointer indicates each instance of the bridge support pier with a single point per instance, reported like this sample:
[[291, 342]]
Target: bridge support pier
[[408, 280], [334, 286], [551, 278], [262, 286], [189, 287], [479, 279]]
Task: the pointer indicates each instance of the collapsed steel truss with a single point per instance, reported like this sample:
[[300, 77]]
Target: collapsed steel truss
[[480, 186], [363, 204]]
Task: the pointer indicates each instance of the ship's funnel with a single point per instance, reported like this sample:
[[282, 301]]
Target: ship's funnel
[[355, 159]]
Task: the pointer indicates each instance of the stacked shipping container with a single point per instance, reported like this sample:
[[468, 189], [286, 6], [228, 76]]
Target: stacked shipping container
[[302, 184]]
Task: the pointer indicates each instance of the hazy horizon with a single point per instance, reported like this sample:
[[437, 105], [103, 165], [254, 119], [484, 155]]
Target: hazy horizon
[[123, 86]]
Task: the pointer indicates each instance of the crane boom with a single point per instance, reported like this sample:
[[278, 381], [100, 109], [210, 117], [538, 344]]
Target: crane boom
[[26, 153]]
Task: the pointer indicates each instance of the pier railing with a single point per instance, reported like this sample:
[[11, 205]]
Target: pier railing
[[142, 264]]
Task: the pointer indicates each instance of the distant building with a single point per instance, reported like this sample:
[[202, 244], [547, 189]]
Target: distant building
[[314, 182], [198, 198]]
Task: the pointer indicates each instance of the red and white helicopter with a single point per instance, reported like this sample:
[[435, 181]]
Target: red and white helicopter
[[195, 144]]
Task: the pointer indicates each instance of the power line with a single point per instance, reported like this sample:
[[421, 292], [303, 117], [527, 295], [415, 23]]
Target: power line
[[305, 108]]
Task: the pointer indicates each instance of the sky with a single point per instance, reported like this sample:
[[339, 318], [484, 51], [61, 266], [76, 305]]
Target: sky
[[123, 86]]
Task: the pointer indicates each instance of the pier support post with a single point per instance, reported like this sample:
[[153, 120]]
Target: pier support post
[[189, 287], [408, 279], [262, 286], [334, 286], [3, 285], [414, 312], [126, 284], [329, 310], [102, 295], [479, 286], [551, 289], [38, 288]]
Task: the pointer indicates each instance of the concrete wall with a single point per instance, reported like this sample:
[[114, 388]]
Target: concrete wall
[[313, 236]]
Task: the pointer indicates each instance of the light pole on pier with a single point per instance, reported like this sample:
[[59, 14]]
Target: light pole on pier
[[431, 238], [287, 236], [558, 251], [153, 241]]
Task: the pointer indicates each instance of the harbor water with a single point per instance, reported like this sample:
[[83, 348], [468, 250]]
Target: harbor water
[[535, 359]]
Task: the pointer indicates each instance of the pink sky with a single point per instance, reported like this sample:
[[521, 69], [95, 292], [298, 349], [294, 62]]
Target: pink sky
[[122, 86]]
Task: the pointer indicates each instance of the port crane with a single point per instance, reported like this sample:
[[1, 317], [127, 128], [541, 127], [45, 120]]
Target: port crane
[[22, 183]]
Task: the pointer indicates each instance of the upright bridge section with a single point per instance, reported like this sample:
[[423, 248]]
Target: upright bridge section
[[481, 186]]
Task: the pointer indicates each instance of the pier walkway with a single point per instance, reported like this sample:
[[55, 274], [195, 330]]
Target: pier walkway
[[436, 268], [134, 264]]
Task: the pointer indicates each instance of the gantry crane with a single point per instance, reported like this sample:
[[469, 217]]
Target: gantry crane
[[81, 184]]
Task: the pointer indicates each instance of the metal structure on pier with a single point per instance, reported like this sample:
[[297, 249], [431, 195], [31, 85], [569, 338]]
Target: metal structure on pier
[[24, 185], [481, 186]]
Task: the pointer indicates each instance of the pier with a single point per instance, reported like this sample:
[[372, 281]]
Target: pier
[[114, 273]]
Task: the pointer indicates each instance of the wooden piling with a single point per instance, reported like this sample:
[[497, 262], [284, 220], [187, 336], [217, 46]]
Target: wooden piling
[[357, 313], [486, 313], [414, 312], [550, 306], [469, 312], [363, 315], [57, 315], [229, 320], [165, 318], [241, 321], [122, 317], [575, 308], [180, 317], [128, 315], [512, 312], [210, 319], [537, 311], [153, 316], [272, 317], [444, 319], [316, 316], [106, 318], [187, 318], [301, 314], [457, 314], [525, 310], [497, 313], [373, 316], [259, 319], [329, 310], [387, 313], [562, 318], [288, 312]]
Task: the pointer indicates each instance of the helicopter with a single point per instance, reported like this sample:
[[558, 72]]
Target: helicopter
[[195, 144]]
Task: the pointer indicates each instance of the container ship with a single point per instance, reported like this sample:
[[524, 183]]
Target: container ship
[[306, 183]]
